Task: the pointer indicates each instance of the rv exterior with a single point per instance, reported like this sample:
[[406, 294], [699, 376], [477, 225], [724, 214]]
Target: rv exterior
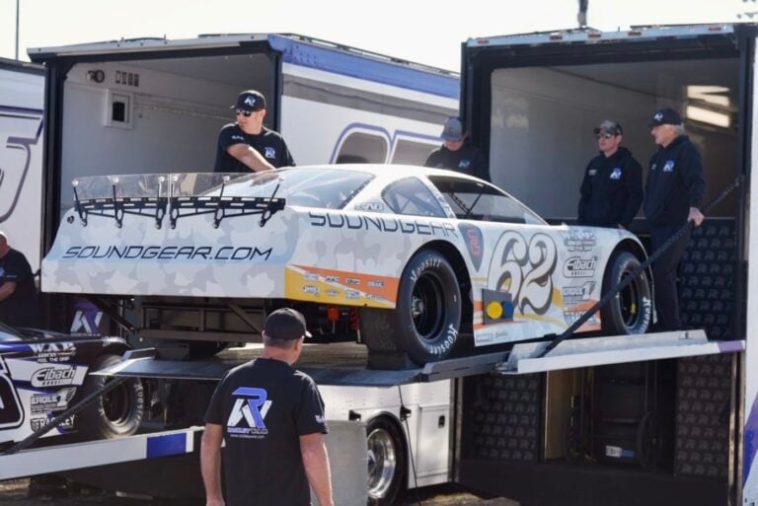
[[22, 88], [531, 102]]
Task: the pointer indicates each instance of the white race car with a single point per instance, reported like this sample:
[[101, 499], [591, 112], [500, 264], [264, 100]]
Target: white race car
[[407, 259]]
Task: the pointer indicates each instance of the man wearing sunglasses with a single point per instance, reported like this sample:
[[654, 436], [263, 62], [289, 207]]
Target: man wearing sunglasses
[[611, 192], [247, 145]]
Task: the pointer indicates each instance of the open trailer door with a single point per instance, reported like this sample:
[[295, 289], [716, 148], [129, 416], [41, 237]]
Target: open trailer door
[[583, 414]]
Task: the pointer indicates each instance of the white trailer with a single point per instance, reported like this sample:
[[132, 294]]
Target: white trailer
[[587, 428], [22, 87]]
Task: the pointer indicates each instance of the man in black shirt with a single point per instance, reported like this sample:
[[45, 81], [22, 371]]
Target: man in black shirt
[[247, 145], [271, 417], [611, 192], [18, 296], [457, 153], [673, 194]]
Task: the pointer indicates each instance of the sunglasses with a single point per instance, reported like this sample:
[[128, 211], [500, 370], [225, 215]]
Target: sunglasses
[[605, 136], [246, 114]]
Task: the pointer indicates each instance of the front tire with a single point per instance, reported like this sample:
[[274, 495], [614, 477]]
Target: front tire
[[386, 462], [427, 318], [118, 412], [630, 311]]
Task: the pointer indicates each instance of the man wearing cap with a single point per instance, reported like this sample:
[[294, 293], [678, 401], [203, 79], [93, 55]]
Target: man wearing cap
[[673, 194], [247, 145], [611, 191], [271, 418], [457, 153]]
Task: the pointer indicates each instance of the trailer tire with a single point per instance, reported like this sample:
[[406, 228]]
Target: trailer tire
[[427, 317], [387, 466], [630, 311], [117, 413]]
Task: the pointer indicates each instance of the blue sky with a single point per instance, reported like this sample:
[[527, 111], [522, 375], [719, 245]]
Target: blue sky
[[424, 31]]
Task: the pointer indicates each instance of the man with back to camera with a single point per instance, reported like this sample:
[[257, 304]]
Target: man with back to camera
[[271, 417], [457, 153], [611, 191], [673, 194], [18, 295], [247, 145]]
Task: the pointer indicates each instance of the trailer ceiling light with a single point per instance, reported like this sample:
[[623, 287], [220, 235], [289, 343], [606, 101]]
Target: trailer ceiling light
[[715, 95], [719, 119]]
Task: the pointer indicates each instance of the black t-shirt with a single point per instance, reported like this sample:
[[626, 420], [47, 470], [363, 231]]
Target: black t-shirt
[[268, 143], [468, 160], [20, 309], [264, 406]]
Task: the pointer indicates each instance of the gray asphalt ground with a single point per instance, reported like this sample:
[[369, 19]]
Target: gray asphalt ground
[[18, 493]]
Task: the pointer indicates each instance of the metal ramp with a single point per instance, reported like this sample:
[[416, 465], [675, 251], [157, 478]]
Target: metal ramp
[[345, 364], [587, 352]]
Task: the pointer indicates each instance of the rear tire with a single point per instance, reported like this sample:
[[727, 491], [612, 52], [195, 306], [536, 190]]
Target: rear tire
[[427, 317], [118, 412], [386, 462], [630, 311]]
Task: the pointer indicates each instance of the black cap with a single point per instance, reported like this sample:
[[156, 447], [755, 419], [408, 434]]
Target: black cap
[[609, 126], [250, 100], [665, 116], [285, 324]]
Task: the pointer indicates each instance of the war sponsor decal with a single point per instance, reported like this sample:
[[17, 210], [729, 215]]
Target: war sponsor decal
[[580, 267], [382, 224], [53, 352], [524, 269], [579, 240], [474, 240]]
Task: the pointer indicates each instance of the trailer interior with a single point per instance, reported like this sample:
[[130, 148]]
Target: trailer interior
[[656, 432]]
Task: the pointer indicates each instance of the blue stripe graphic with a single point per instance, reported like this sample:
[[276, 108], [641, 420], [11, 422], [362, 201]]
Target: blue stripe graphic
[[164, 446]]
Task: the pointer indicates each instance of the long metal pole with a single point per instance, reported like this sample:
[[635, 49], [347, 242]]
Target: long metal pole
[[18, 7]]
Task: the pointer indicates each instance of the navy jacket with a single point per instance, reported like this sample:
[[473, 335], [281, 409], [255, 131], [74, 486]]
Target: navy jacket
[[675, 182], [611, 192]]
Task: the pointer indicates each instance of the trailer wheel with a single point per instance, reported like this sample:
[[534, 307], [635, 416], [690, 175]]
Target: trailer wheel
[[630, 311], [386, 462], [118, 412], [426, 321]]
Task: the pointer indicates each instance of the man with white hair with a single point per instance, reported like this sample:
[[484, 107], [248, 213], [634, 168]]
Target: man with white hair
[[18, 297], [673, 194]]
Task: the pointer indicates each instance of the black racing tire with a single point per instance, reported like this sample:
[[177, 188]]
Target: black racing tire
[[387, 462], [198, 350], [427, 318], [117, 413], [631, 310]]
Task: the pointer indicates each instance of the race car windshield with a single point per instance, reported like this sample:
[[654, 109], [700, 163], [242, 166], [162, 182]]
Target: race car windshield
[[9, 333], [475, 200]]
